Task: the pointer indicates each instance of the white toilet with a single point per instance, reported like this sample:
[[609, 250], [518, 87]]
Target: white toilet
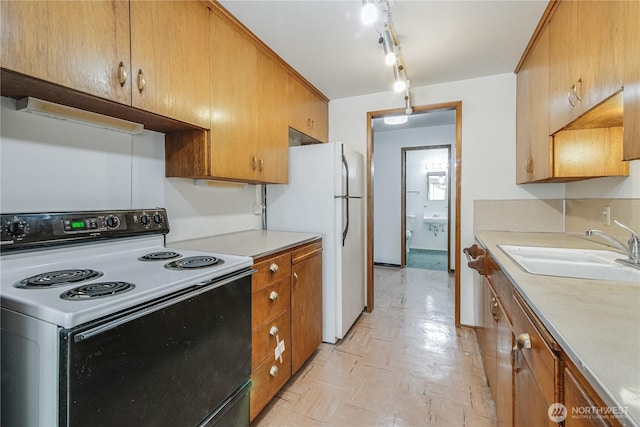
[[410, 222]]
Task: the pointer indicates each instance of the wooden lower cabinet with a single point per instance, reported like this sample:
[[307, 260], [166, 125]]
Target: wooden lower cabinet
[[306, 303], [269, 373], [530, 406], [286, 318], [494, 338], [527, 370]]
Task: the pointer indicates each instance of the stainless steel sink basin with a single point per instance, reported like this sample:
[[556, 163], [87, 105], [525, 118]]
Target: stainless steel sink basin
[[566, 262]]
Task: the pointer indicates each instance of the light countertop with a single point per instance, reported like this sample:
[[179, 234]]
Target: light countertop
[[253, 243], [597, 323]]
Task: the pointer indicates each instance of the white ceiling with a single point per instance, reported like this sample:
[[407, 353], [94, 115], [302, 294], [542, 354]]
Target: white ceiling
[[442, 41]]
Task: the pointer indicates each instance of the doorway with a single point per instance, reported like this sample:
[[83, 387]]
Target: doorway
[[456, 169], [426, 200]]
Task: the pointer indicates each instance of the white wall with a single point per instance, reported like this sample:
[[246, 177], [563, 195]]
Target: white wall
[[387, 185], [48, 164]]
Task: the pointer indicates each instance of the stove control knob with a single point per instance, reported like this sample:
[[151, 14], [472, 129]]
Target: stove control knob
[[144, 219], [157, 218], [112, 222], [15, 228]]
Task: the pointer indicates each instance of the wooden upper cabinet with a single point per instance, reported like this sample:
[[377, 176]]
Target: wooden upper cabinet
[[248, 137], [533, 161], [308, 113], [272, 139], [631, 37], [585, 58], [234, 107], [170, 59], [80, 45]]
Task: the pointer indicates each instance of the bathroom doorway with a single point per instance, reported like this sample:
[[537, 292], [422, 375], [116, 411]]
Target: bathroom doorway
[[426, 200]]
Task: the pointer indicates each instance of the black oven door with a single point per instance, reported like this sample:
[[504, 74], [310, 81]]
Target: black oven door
[[170, 363]]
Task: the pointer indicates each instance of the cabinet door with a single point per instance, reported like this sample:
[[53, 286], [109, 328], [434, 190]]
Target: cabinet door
[[487, 333], [76, 44], [530, 407], [533, 161], [503, 390], [576, 397], [586, 48], [320, 118], [234, 109], [306, 306], [563, 69], [631, 37], [272, 141], [299, 105], [600, 50], [170, 59]]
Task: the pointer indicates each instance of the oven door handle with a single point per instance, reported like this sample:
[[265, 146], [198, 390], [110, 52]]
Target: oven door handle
[[200, 288]]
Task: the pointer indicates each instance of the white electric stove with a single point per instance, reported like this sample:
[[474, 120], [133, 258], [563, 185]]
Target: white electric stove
[[80, 284]]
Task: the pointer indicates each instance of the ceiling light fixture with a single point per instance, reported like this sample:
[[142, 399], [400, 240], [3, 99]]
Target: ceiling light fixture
[[369, 13], [49, 109], [395, 120]]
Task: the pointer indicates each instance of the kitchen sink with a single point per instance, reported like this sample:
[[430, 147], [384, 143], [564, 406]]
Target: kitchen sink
[[577, 263]]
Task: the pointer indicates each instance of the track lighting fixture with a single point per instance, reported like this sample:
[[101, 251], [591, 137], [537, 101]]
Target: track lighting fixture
[[390, 44]]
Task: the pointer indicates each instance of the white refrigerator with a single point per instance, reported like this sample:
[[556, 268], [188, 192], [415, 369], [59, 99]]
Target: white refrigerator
[[325, 196]]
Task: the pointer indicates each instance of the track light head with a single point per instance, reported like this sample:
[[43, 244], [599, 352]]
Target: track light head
[[387, 45], [369, 13]]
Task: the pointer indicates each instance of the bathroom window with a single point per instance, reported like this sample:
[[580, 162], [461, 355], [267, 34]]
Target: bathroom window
[[436, 186]]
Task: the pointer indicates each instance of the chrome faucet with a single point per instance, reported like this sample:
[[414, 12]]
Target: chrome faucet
[[631, 249]]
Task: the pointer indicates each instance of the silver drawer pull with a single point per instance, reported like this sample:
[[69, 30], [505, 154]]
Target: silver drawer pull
[[273, 331], [273, 371], [274, 268], [273, 296]]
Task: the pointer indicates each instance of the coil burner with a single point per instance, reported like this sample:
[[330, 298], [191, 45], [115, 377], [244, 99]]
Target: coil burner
[[58, 278], [193, 262], [159, 256], [97, 290]]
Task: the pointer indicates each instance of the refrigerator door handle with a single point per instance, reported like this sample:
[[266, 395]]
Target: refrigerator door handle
[[346, 225]]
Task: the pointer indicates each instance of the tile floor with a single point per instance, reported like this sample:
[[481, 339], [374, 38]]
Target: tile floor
[[405, 364], [427, 259]]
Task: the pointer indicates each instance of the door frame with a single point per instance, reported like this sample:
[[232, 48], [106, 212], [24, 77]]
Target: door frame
[[403, 196], [454, 105]]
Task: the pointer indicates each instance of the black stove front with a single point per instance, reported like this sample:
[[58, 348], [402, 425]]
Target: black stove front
[[183, 361]]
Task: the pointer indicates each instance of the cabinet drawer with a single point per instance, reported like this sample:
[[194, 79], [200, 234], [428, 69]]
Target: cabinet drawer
[[267, 379], [542, 360], [501, 286], [271, 270], [264, 343], [270, 301], [300, 254]]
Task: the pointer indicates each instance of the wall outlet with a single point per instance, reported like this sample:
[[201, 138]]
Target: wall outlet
[[606, 215]]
